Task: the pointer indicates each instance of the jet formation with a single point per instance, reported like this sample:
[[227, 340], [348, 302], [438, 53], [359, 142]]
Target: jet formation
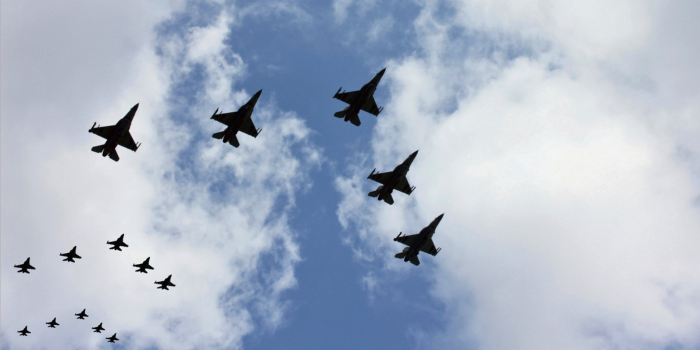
[[71, 255], [112, 339], [53, 323], [116, 135], [362, 99], [116, 245], [82, 315], [98, 329], [143, 266], [393, 180], [24, 331], [165, 283], [24, 266], [420, 242], [237, 121]]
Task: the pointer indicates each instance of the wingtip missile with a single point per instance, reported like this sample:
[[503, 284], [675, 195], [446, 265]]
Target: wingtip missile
[[372, 173], [399, 236], [337, 92], [212, 116]]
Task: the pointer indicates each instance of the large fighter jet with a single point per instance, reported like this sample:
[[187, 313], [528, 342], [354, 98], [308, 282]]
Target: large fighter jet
[[362, 99], [53, 323], [71, 255], [143, 266], [82, 315], [393, 180], [116, 245], [116, 135], [237, 121], [98, 329], [24, 331], [422, 241], [165, 283], [23, 267], [112, 339]]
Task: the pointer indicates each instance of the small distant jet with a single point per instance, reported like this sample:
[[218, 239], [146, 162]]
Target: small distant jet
[[422, 241], [23, 267], [362, 99], [24, 331], [99, 328], [118, 243], [237, 121], [82, 315], [53, 323], [393, 180], [165, 283], [112, 339], [71, 255], [143, 266], [116, 135]]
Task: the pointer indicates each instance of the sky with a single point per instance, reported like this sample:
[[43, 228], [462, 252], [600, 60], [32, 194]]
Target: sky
[[560, 139]]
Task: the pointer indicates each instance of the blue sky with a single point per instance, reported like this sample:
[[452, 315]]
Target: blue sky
[[548, 135]]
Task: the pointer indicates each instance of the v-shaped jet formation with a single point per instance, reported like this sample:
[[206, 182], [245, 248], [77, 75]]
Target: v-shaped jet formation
[[144, 265], [24, 332], [362, 99], [164, 284], [82, 315], [393, 180], [116, 135], [420, 242], [23, 267], [116, 245], [237, 121], [98, 329], [71, 255], [112, 339], [53, 323]]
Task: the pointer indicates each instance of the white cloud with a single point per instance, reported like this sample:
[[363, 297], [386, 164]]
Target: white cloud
[[570, 221], [217, 224]]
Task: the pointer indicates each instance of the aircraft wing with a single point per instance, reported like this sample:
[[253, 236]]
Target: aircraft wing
[[225, 118], [382, 178], [409, 240], [429, 247], [370, 106], [249, 128], [104, 131], [348, 97], [404, 186], [128, 142]]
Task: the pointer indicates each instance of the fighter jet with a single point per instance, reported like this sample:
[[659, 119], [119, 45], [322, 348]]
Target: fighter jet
[[143, 266], [112, 339], [362, 99], [237, 121], [116, 135], [82, 315], [393, 180], [165, 283], [53, 323], [118, 243], [23, 267], [99, 328], [24, 331], [422, 241], [71, 255]]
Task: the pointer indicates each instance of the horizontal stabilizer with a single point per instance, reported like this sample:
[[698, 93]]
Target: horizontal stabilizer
[[98, 149], [355, 120], [340, 114], [234, 141], [388, 198], [414, 260], [374, 194], [114, 156], [400, 255], [219, 135]]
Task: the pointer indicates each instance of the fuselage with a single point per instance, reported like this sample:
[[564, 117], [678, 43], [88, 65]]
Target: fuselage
[[424, 236], [244, 112], [123, 125], [366, 92], [399, 172]]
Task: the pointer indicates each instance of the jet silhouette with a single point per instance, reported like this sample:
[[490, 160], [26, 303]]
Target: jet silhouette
[[23, 267], [116, 135], [118, 243], [24, 331], [393, 180], [362, 99], [165, 283], [99, 328], [112, 339], [82, 315], [53, 323], [143, 266], [71, 255], [237, 121], [422, 241]]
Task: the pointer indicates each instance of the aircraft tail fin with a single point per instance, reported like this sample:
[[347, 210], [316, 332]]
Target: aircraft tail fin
[[414, 260], [114, 155], [219, 135], [388, 198], [340, 114], [400, 255], [98, 149], [234, 141]]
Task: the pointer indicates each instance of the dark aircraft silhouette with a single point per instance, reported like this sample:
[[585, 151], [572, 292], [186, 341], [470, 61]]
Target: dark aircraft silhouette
[[71, 255], [112, 339], [362, 99], [237, 121], [53, 323], [165, 283], [393, 180], [24, 331], [144, 265], [99, 328], [23, 267], [116, 135], [116, 245], [422, 241], [82, 315]]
